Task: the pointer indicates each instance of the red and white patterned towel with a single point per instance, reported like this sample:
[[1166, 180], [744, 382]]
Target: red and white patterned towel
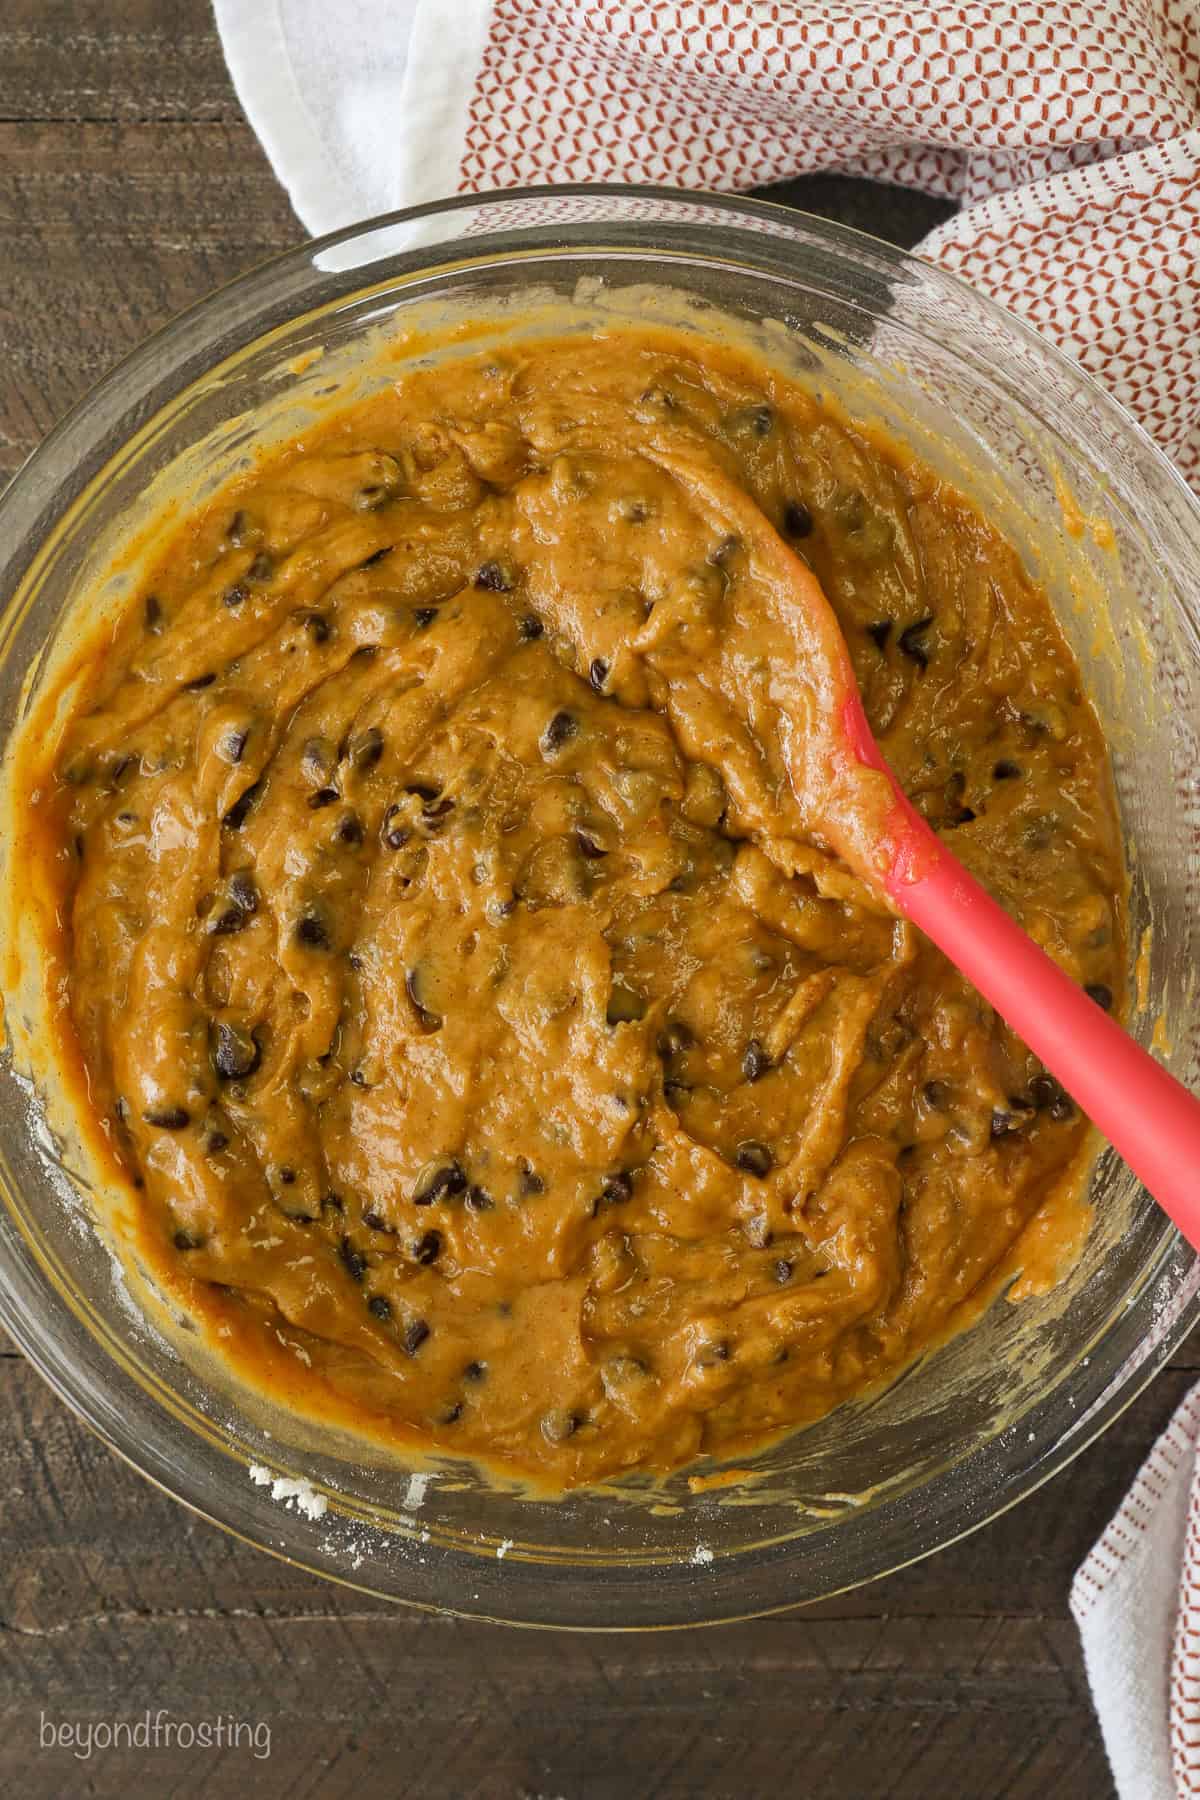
[[1070, 131], [1071, 134]]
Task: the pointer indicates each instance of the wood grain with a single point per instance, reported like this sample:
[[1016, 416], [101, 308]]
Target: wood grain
[[130, 186], [106, 236], [114, 1599], [135, 60]]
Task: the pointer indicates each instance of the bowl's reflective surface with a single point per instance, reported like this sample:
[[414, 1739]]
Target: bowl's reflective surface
[[974, 1426]]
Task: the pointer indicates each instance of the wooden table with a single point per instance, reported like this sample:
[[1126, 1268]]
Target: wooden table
[[129, 186]]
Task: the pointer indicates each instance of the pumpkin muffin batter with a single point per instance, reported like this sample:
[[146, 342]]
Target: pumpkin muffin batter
[[500, 1059]]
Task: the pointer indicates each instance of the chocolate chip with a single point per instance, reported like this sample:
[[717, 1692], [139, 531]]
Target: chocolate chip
[[616, 1191], [223, 921], [1049, 1096], [349, 829], [428, 1247], [529, 1181], [1005, 1124], [424, 790], [243, 891], [450, 1413], [936, 1095], [371, 497], [239, 812], [415, 1335], [354, 1262], [1101, 993], [312, 931], [366, 748], [496, 578], [479, 1200], [318, 627], [152, 614], [755, 1061], [287, 1175], [323, 797], [559, 1424], [561, 729], [236, 1053], [598, 673], [168, 1118], [395, 837], [676, 1038], [379, 1306], [415, 987], [1044, 1091], [317, 758], [235, 595], [232, 747], [758, 419], [475, 1371], [783, 1271], [1005, 770], [588, 845], [437, 1181], [625, 1005], [721, 553], [754, 1158], [375, 1221], [797, 520], [423, 616], [529, 628], [912, 642], [880, 632], [215, 1142]]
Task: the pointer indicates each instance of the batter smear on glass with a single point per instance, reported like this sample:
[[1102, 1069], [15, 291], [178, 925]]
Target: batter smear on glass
[[498, 1063]]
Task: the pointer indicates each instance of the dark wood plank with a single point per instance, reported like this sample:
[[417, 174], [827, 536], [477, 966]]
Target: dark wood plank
[[112, 1598], [106, 236], [869, 1709], [88, 60]]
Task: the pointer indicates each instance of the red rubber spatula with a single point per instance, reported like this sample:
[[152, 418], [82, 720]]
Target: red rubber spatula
[[850, 796]]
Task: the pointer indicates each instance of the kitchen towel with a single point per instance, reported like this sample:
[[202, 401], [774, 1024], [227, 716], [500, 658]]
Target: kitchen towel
[[1136, 1601], [1069, 132]]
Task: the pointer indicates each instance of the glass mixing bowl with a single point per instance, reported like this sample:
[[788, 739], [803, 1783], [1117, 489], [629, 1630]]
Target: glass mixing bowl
[[974, 1425]]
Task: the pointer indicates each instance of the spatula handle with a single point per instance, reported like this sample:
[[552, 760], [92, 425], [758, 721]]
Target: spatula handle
[[1150, 1118]]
